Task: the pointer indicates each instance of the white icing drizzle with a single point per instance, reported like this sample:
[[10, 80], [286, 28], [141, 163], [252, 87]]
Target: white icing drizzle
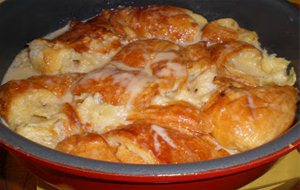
[[163, 134], [58, 32], [171, 67], [250, 101], [162, 56], [251, 104], [133, 84], [219, 147], [123, 79], [221, 114], [99, 74], [156, 143], [120, 65]]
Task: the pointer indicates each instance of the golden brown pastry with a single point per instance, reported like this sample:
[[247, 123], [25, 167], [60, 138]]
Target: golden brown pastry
[[89, 45], [175, 24], [215, 33], [143, 144], [179, 116], [141, 53], [151, 144], [243, 119], [202, 72], [197, 54], [127, 87], [136, 74], [158, 58], [81, 34], [91, 146], [226, 30]]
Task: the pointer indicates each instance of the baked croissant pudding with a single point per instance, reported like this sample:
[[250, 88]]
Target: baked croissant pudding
[[149, 85]]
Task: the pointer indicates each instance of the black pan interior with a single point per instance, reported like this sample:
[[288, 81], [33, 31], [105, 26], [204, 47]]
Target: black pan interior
[[276, 22]]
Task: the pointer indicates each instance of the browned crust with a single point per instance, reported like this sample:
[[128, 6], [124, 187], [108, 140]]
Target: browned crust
[[180, 116], [215, 33], [174, 147]]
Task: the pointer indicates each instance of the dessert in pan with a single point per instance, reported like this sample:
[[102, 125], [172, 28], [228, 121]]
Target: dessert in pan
[[149, 85]]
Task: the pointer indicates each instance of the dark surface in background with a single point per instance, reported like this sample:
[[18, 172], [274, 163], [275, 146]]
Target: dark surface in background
[[2, 161]]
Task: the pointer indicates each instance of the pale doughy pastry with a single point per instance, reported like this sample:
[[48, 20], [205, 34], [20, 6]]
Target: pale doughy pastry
[[84, 47], [37, 108], [243, 63], [149, 85]]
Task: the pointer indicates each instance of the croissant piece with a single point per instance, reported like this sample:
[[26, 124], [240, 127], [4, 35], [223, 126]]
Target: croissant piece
[[91, 146], [238, 61], [264, 113], [201, 72], [34, 107], [118, 87], [81, 34], [180, 116], [226, 30], [154, 144], [157, 22], [84, 47], [159, 58], [215, 33], [140, 53], [245, 64], [36, 93]]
